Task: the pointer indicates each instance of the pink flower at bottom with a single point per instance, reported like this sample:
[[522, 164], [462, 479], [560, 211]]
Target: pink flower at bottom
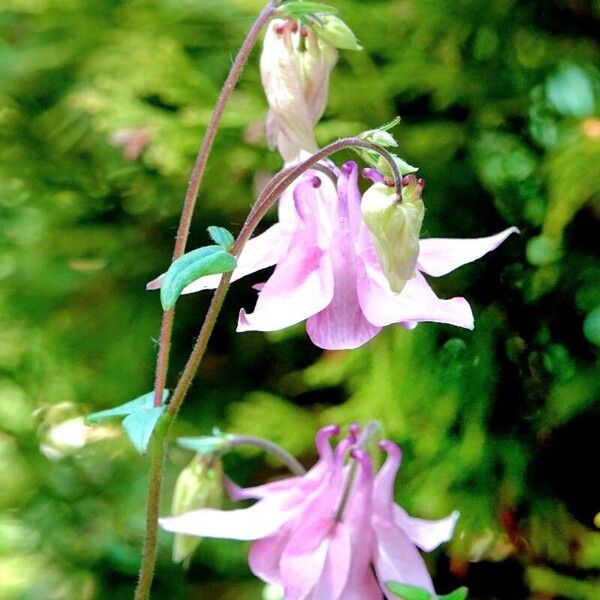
[[327, 271], [319, 543]]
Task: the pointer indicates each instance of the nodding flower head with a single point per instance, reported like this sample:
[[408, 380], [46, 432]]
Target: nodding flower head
[[295, 67], [333, 533]]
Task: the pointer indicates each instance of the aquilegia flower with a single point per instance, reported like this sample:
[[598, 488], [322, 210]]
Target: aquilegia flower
[[334, 533], [328, 272]]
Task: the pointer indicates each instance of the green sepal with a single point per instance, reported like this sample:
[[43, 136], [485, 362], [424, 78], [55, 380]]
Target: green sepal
[[380, 135], [458, 594], [333, 31], [204, 444], [221, 236], [141, 403], [403, 166], [300, 9], [208, 260], [141, 417], [408, 592]]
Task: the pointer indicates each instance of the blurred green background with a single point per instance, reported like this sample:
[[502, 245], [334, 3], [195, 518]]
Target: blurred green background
[[102, 106]]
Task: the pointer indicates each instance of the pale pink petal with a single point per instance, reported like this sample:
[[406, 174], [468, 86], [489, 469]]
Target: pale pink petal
[[398, 559], [302, 283], [336, 569], [237, 493], [264, 555], [427, 535], [342, 324], [304, 557], [416, 303], [439, 256], [260, 520]]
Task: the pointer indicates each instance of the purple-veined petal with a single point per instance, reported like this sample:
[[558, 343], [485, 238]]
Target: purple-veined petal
[[416, 303], [260, 520], [336, 569], [397, 559], [302, 283], [438, 256], [264, 555], [427, 535], [304, 557], [342, 324]]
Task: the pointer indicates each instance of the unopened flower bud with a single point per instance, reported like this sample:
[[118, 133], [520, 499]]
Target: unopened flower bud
[[334, 31], [395, 227], [295, 70], [199, 485]]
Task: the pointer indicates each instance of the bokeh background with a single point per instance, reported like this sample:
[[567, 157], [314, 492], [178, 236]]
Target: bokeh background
[[102, 106]]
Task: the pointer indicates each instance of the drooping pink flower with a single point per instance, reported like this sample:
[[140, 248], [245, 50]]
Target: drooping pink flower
[[327, 271], [319, 535]]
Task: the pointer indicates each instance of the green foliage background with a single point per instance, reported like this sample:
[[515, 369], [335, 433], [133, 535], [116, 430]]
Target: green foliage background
[[500, 103]]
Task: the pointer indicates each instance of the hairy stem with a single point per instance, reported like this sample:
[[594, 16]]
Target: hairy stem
[[146, 573]]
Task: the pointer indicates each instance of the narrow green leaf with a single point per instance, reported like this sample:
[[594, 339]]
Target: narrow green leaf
[[301, 9], [208, 260], [458, 594], [204, 444], [142, 402], [221, 236], [408, 592], [140, 425]]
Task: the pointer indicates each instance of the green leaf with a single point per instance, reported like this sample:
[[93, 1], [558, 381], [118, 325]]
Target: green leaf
[[204, 444], [208, 260], [140, 425], [408, 592], [299, 9], [221, 236], [141, 403], [458, 594]]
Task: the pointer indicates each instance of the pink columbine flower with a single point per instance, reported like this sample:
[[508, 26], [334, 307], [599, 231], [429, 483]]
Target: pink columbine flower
[[334, 533], [328, 272]]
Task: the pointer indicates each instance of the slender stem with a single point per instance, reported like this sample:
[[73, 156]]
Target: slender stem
[[285, 457], [157, 461], [194, 185], [159, 445]]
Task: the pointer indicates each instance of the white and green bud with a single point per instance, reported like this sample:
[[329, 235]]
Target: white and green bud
[[335, 32], [395, 226], [295, 67], [199, 485]]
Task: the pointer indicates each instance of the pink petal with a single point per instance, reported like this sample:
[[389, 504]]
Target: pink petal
[[265, 554], [439, 256], [260, 520], [398, 559], [342, 324], [383, 486], [416, 303], [336, 570], [427, 535], [302, 283], [303, 559]]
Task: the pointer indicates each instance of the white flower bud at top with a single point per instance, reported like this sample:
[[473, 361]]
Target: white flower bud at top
[[199, 485], [334, 31], [395, 228], [295, 67]]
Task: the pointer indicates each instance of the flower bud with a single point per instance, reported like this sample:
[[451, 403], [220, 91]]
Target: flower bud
[[295, 67], [395, 227], [199, 485], [335, 32]]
